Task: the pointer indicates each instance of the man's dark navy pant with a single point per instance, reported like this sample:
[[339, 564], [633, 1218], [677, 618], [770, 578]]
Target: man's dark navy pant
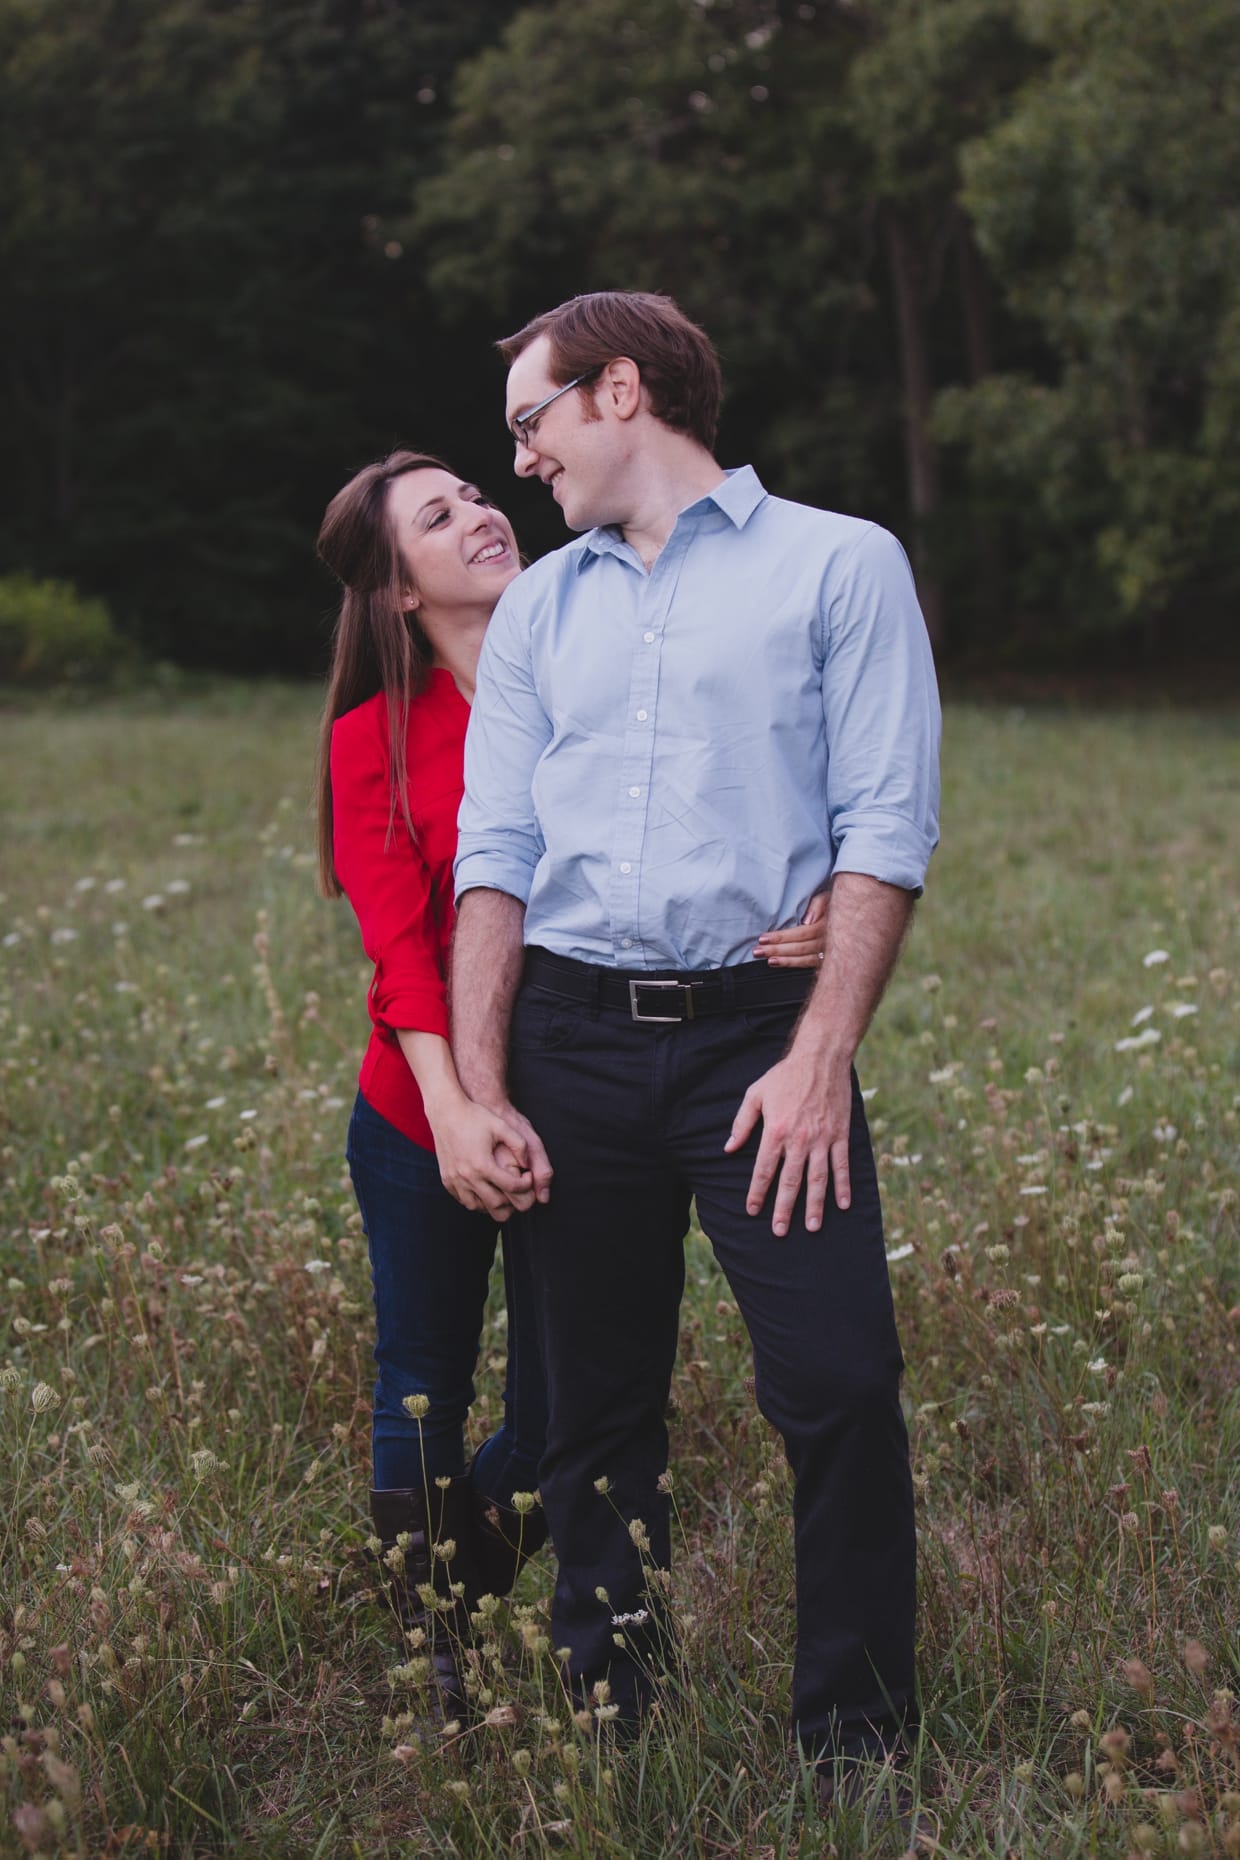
[[635, 1115]]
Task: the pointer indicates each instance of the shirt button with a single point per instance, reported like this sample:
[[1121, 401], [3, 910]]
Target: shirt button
[[626, 942], [649, 638], [642, 716], [625, 866], [633, 793]]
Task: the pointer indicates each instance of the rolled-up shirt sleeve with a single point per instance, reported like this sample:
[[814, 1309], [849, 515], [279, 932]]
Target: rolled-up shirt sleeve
[[387, 882], [881, 711], [499, 844]]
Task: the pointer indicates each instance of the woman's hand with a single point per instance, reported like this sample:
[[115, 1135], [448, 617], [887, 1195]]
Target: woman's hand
[[800, 946], [484, 1160]]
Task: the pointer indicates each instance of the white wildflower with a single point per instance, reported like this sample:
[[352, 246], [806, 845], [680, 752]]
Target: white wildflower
[[1148, 1036]]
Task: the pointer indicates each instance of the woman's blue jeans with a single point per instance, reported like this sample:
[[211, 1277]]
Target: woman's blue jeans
[[430, 1261]]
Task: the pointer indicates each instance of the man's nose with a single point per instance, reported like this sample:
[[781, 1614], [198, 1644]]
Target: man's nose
[[524, 459]]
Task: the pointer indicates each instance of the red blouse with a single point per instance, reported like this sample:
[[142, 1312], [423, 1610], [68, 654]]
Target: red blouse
[[401, 890]]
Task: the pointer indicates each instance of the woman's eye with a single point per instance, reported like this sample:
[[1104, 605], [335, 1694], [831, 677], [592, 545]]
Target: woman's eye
[[441, 516]]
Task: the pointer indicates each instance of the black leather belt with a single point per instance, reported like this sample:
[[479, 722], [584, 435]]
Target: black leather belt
[[668, 994]]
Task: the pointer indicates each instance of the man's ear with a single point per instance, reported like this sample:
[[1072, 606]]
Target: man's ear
[[622, 383]]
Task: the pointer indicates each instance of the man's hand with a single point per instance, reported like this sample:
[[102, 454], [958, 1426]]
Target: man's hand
[[805, 1102], [527, 1151], [487, 954], [484, 1161], [806, 1112]]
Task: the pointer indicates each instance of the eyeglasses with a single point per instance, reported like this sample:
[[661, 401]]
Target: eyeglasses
[[524, 425]]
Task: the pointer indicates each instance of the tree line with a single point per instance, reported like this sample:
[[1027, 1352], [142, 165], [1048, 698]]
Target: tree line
[[973, 266]]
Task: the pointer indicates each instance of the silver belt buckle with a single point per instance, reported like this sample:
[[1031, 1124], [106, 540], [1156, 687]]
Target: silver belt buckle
[[664, 1019]]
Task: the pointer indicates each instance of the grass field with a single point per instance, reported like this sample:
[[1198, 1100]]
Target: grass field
[[193, 1659]]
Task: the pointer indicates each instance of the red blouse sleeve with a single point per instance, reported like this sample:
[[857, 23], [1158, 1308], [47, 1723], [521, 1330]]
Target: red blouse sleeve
[[385, 880]]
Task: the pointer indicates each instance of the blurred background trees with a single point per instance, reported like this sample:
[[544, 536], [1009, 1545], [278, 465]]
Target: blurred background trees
[[974, 267]]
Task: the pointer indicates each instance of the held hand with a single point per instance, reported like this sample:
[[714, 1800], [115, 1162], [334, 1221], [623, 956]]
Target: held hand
[[801, 945], [484, 1161], [806, 1112], [531, 1150]]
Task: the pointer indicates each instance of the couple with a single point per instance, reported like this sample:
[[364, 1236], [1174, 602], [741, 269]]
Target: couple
[[684, 723]]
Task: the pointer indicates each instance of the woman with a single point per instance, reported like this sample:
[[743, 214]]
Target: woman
[[423, 558]]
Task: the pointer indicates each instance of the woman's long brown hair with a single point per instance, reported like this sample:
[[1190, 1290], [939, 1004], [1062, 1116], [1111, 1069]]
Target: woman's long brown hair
[[377, 644]]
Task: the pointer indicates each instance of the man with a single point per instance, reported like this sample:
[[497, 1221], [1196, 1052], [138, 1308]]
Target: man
[[684, 718]]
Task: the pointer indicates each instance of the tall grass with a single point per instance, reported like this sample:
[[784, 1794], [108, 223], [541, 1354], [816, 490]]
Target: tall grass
[[193, 1655]]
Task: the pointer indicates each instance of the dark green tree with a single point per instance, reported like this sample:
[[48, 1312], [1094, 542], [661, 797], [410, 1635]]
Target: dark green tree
[[788, 171], [207, 319], [1106, 202]]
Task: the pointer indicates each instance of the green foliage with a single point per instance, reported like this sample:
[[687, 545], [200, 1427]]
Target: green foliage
[[972, 264], [1105, 202], [194, 1656], [50, 633], [207, 322], [762, 162]]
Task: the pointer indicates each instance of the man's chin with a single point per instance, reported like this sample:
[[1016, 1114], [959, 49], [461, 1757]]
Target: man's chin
[[576, 518]]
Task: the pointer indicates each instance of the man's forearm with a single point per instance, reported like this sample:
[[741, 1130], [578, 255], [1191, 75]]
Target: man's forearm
[[487, 953], [866, 927]]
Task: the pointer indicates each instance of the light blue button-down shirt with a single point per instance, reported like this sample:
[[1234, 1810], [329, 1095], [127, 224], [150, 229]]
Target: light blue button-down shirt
[[663, 765]]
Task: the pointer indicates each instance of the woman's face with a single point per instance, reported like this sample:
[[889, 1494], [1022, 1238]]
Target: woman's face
[[459, 551]]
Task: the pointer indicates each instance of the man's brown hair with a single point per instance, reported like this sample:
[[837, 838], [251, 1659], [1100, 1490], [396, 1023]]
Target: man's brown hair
[[677, 360]]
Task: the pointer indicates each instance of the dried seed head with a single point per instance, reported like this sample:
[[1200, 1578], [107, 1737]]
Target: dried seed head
[[1139, 1677], [1114, 1744], [1196, 1658]]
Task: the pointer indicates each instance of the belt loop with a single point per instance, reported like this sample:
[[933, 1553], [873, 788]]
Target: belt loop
[[594, 1003], [728, 978]]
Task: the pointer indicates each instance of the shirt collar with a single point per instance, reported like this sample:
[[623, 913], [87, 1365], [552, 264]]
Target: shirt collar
[[737, 496]]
